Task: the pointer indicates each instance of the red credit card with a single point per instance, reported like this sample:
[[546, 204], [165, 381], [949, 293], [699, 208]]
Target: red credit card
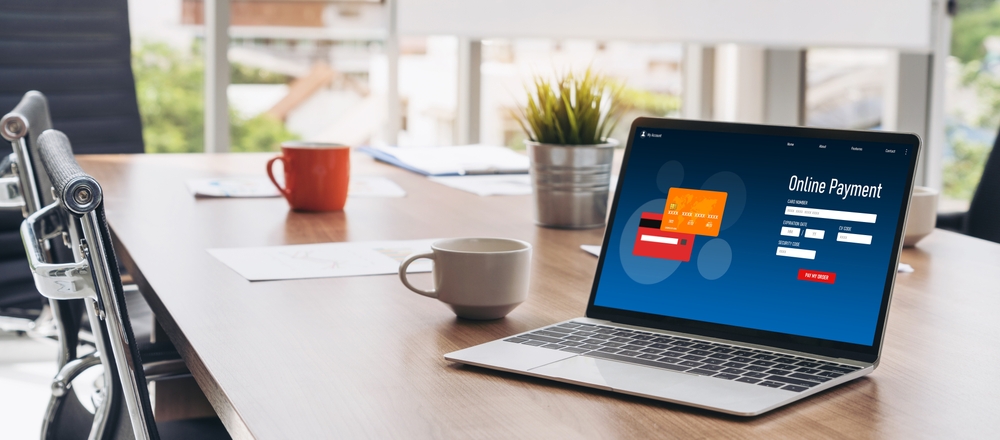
[[651, 242]]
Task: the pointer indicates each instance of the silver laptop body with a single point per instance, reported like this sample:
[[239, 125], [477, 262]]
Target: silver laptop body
[[682, 342]]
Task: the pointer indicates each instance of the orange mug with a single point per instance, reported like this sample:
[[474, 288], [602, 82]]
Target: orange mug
[[316, 175]]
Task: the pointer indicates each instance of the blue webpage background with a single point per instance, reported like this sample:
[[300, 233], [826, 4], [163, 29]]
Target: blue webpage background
[[761, 290]]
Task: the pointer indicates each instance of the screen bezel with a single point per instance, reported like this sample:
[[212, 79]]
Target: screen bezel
[[805, 344]]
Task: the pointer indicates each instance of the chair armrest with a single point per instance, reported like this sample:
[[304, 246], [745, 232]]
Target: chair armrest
[[952, 221]]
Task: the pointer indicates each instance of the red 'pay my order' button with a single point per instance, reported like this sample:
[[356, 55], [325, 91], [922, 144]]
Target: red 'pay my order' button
[[817, 276]]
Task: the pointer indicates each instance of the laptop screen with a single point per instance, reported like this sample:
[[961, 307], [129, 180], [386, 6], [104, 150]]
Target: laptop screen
[[767, 232]]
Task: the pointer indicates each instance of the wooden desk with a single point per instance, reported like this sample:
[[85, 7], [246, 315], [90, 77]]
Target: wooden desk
[[362, 357]]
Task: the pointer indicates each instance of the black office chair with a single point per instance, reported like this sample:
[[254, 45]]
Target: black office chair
[[79, 53], [982, 220], [93, 276]]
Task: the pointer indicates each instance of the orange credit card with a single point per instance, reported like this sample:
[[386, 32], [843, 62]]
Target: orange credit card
[[693, 211]]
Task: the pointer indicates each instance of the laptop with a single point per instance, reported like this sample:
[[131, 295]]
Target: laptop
[[744, 267]]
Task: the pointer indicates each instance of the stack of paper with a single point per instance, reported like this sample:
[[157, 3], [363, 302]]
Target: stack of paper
[[452, 161], [225, 187]]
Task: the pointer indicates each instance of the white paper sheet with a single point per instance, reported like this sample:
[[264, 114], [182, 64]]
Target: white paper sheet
[[459, 159], [255, 186], [595, 250], [491, 185], [323, 260]]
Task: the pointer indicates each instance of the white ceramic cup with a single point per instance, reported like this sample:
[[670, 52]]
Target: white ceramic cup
[[479, 278], [923, 215]]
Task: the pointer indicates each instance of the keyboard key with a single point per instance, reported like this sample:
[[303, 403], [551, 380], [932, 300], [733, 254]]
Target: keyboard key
[[741, 359], [668, 360], [541, 338], [727, 376], [633, 347], [777, 371], [584, 333], [809, 377], [660, 346], [734, 365], [763, 363], [700, 352], [662, 339], [794, 388], [701, 372], [591, 346], [535, 343], [689, 364], [830, 374], [629, 353], [621, 340], [747, 380], [765, 357], [571, 343], [593, 341], [756, 368], [788, 361], [733, 371], [638, 342], [755, 374], [682, 343], [712, 367], [623, 333], [840, 369], [651, 350], [701, 346], [553, 346], [713, 361], [807, 364], [784, 367], [648, 356], [609, 349], [604, 331], [559, 329], [613, 344], [664, 365], [575, 350], [548, 333], [723, 350], [516, 340], [770, 384], [692, 357], [807, 370], [792, 380], [568, 325], [602, 336], [680, 349], [742, 353], [721, 356], [573, 338], [645, 337], [681, 339]]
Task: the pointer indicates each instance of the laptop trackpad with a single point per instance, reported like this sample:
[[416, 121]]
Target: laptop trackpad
[[614, 375]]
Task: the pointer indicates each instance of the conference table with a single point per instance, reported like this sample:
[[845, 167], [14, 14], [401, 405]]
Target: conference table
[[363, 356]]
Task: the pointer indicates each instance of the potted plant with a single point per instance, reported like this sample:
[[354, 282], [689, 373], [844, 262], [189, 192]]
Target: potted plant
[[567, 121]]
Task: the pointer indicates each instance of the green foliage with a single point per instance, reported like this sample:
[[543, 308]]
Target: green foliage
[[571, 110], [963, 171], [649, 103], [170, 89], [971, 26], [240, 74]]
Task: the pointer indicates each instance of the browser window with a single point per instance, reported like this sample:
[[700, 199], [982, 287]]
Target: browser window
[[788, 235]]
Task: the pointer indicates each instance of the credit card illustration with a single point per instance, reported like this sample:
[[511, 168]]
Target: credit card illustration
[[653, 242], [694, 211]]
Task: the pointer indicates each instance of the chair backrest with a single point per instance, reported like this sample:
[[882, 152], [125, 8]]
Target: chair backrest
[[79, 54], [983, 219], [80, 202]]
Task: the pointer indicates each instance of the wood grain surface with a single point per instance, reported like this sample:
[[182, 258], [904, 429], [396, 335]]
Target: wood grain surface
[[362, 356]]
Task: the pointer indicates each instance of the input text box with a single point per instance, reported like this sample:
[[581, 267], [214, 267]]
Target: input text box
[[655, 239], [830, 214], [815, 233], [847, 237], [790, 232], [796, 253]]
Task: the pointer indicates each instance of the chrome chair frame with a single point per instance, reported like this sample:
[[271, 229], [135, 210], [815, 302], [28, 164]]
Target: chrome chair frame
[[88, 278]]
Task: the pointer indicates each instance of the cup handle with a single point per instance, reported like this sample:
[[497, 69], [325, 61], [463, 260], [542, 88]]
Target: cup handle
[[402, 274], [270, 174]]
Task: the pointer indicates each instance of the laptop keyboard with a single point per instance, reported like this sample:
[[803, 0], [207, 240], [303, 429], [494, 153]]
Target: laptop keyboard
[[704, 358]]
